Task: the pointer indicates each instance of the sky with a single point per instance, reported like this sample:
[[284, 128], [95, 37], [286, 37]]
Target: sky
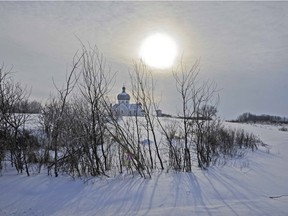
[[243, 46]]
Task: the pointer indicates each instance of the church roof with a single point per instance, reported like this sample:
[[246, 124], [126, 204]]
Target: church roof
[[123, 95]]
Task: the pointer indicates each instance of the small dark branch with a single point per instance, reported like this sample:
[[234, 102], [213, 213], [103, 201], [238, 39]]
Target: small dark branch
[[277, 197]]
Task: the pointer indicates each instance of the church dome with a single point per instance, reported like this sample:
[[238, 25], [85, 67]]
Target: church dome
[[123, 95]]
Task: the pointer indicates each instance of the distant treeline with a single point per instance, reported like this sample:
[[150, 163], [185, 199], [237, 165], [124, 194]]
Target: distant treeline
[[248, 117], [26, 106]]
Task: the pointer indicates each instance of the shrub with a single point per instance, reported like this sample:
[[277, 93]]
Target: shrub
[[283, 129]]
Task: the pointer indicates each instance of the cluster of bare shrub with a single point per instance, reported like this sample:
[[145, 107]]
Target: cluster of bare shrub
[[283, 129], [208, 141], [81, 136], [16, 142]]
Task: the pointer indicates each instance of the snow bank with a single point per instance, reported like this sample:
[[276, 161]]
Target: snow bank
[[253, 185]]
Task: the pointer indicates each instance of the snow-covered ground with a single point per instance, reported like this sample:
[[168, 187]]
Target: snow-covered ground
[[254, 185]]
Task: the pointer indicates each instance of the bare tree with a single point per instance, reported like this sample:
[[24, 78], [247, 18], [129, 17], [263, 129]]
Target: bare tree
[[54, 112], [186, 86], [95, 86], [143, 91], [12, 123], [194, 97]]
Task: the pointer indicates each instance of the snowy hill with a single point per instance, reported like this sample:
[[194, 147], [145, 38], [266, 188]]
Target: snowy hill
[[253, 185]]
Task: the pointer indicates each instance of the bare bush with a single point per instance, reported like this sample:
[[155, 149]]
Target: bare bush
[[283, 129], [15, 139], [143, 91], [196, 110]]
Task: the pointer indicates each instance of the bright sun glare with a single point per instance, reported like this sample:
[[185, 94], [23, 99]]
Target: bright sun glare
[[159, 51]]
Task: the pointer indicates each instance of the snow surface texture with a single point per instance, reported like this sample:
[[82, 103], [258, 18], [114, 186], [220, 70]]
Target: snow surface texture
[[253, 185]]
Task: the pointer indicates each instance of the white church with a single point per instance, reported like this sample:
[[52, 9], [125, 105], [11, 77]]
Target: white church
[[124, 108]]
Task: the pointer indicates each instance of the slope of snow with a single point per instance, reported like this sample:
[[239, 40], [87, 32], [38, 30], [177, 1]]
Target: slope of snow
[[253, 185]]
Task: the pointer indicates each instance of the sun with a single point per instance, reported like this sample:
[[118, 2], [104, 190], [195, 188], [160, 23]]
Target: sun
[[158, 50]]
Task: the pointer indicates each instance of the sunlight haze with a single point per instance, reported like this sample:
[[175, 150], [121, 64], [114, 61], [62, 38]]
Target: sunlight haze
[[243, 47]]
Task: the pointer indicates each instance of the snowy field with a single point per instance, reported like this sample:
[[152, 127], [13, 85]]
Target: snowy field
[[254, 185]]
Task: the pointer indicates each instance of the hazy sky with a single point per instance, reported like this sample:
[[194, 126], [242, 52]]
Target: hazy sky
[[243, 46]]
